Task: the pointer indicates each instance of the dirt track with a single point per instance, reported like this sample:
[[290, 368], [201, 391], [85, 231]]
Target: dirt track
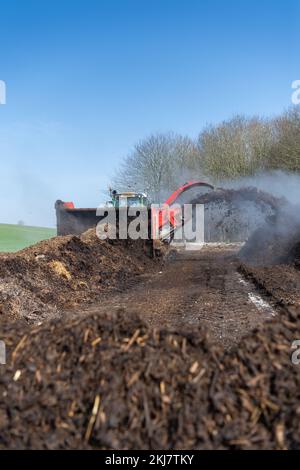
[[195, 288]]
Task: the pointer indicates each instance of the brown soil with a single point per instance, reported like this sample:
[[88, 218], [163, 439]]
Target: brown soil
[[280, 283], [193, 288]]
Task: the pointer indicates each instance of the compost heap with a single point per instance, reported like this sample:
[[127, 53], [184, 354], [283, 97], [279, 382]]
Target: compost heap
[[113, 382], [233, 215], [60, 273], [271, 258], [277, 241]]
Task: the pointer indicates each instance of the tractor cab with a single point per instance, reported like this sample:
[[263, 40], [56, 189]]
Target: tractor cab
[[128, 199]]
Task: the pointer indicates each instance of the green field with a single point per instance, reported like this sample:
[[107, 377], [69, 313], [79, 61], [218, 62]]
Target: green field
[[16, 237]]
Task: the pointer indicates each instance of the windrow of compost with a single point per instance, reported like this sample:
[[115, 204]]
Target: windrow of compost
[[63, 272], [271, 257], [111, 381], [277, 240], [232, 215]]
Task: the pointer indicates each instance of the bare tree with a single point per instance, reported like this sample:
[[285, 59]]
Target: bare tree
[[285, 152], [155, 164], [237, 147]]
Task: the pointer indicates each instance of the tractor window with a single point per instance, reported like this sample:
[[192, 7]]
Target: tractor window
[[129, 202], [134, 202], [123, 202]]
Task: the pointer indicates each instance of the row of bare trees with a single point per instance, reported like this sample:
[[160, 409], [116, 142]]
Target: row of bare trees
[[156, 163], [232, 149]]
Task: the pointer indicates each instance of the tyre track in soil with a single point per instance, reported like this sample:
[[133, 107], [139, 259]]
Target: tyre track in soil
[[196, 287]]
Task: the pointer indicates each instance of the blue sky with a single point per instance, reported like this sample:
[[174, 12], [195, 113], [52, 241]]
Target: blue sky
[[86, 79]]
